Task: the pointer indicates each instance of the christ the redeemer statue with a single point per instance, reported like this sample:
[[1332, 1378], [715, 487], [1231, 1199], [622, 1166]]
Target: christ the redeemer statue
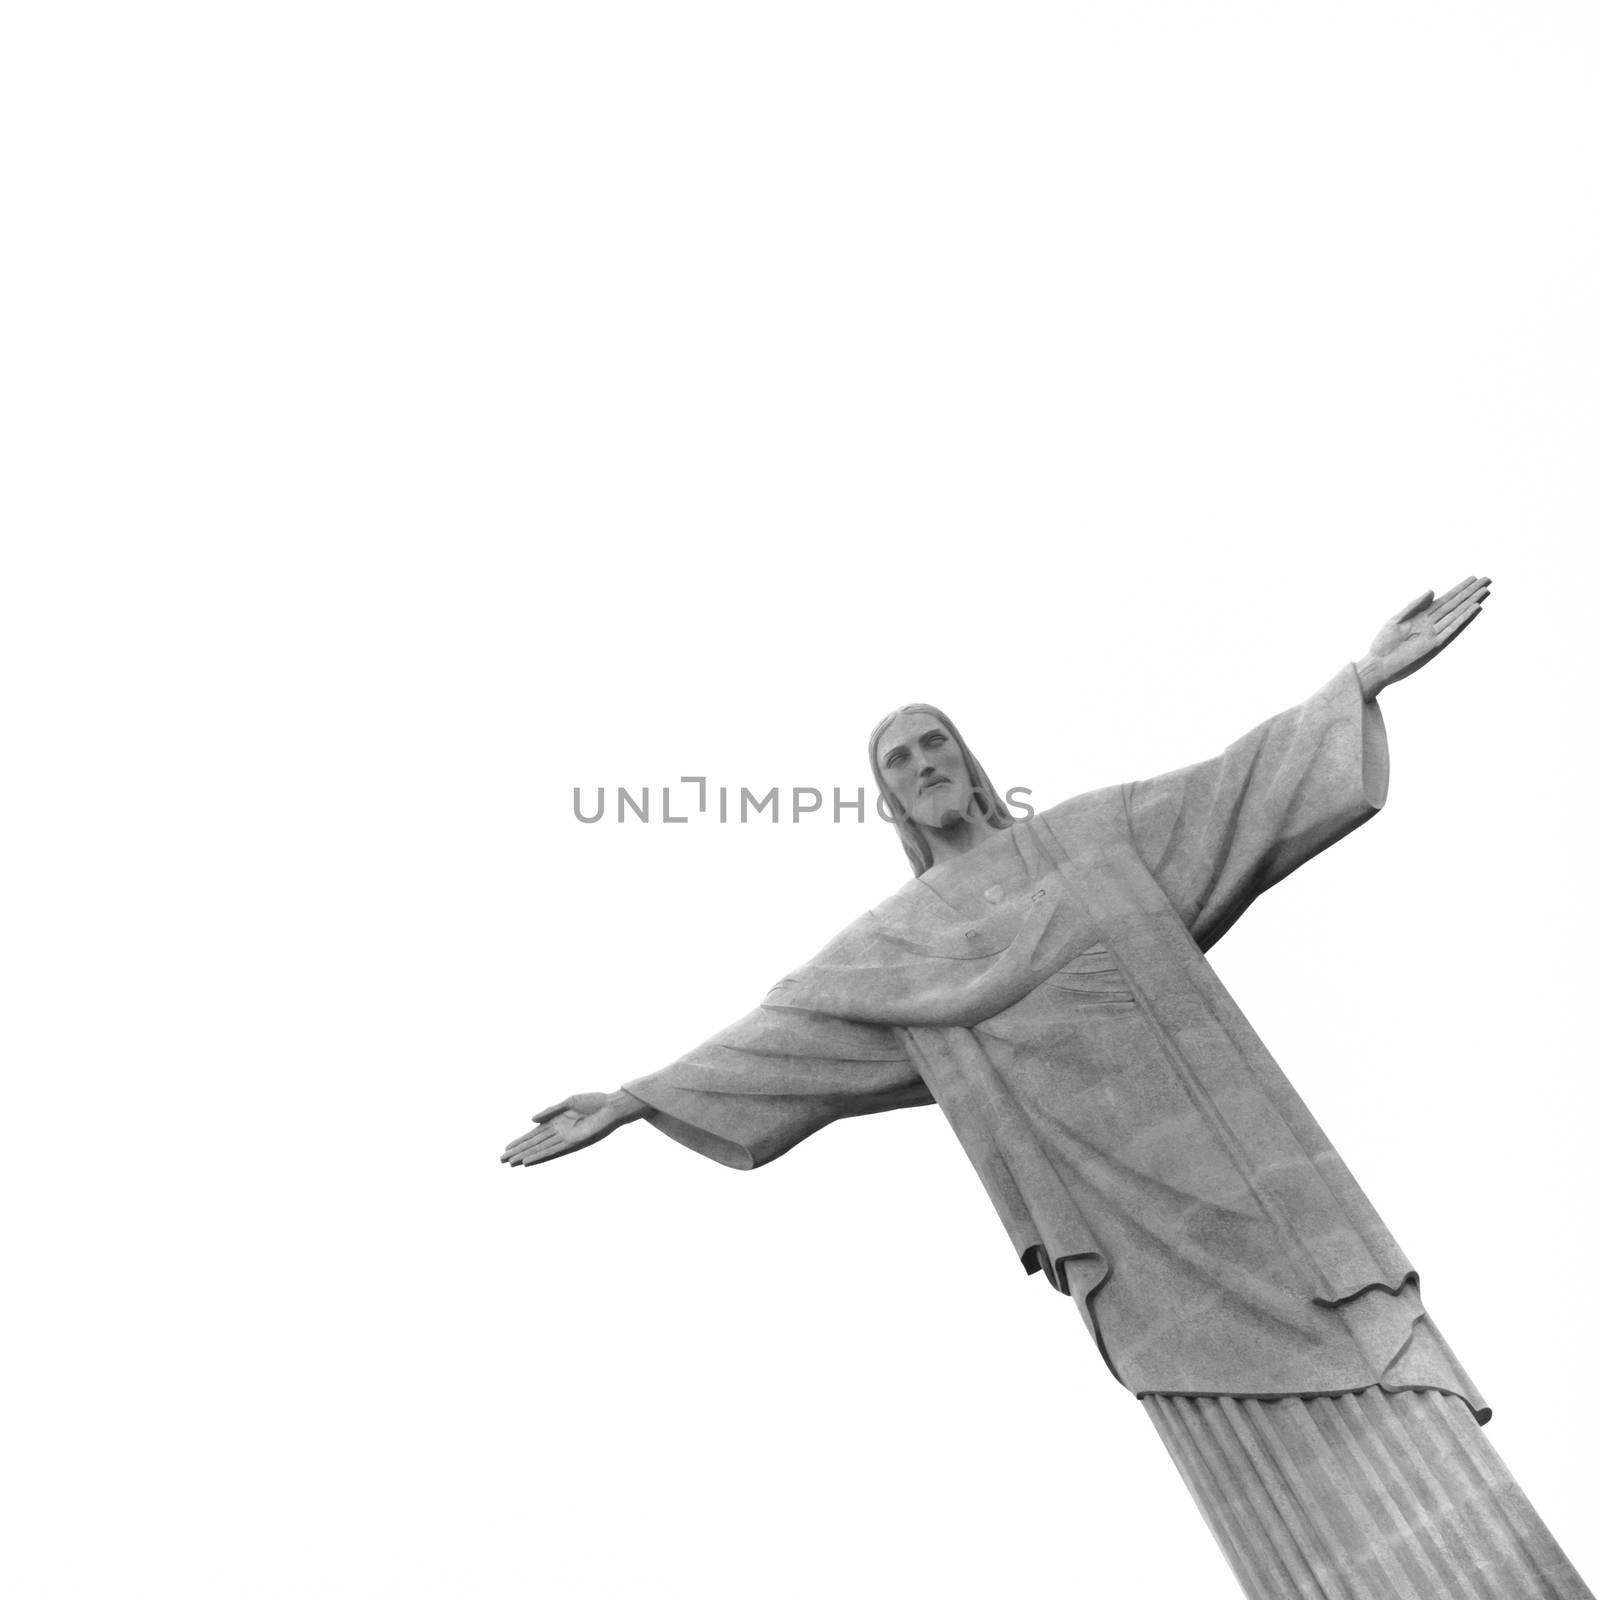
[[1045, 983]]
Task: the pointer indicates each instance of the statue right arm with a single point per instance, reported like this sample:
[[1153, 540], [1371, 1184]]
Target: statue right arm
[[746, 1095], [755, 1090], [752, 1091]]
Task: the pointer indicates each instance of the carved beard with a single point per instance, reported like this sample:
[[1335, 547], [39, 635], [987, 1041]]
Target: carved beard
[[939, 813]]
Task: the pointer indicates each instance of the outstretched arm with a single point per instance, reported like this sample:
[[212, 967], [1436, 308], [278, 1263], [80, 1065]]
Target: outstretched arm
[[1218, 834], [573, 1124], [1413, 637], [748, 1094]]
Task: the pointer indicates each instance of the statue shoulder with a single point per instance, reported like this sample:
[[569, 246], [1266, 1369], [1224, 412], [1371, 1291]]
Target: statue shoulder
[[1087, 815]]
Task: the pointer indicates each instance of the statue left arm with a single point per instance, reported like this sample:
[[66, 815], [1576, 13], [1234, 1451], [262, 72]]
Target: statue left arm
[[1413, 637], [1218, 834]]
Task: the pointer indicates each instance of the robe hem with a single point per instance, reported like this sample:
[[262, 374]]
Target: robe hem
[[725, 1152], [1480, 1414]]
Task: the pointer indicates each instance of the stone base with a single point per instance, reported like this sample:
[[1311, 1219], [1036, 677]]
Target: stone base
[[1369, 1496]]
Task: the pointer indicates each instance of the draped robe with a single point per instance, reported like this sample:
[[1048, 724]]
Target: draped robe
[[1049, 990]]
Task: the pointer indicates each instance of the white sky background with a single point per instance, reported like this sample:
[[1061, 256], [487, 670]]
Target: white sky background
[[415, 411]]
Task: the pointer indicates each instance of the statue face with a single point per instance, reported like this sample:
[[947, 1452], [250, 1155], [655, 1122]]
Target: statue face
[[923, 769]]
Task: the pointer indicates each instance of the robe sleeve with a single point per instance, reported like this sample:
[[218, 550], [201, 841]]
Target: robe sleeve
[[1218, 834], [758, 1088]]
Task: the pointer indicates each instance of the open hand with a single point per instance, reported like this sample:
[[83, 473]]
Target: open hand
[[1413, 637], [572, 1124]]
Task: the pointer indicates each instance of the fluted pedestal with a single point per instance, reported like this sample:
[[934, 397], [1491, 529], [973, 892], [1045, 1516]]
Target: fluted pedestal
[[1369, 1496]]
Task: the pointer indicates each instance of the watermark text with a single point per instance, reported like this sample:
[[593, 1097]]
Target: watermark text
[[697, 799]]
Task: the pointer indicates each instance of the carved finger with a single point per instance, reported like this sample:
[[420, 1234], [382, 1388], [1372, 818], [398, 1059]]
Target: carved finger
[[1455, 592], [1465, 589], [534, 1153], [1460, 622], [523, 1138], [536, 1137], [1421, 603], [1443, 616], [533, 1140], [552, 1111], [548, 1152]]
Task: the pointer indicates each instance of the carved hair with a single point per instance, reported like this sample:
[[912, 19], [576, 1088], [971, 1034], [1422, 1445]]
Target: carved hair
[[917, 848]]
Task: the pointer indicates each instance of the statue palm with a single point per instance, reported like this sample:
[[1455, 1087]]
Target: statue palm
[[1413, 637], [572, 1124]]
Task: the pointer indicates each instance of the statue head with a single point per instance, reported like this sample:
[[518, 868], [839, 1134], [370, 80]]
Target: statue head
[[930, 779]]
